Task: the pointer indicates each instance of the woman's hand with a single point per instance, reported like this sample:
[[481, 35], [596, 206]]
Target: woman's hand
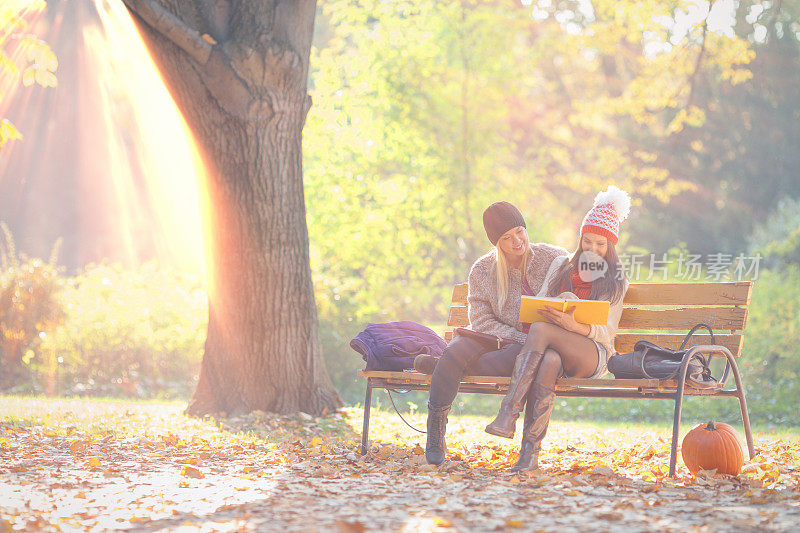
[[565, 320]]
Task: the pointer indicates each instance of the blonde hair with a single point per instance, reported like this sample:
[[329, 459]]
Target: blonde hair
[[501, 271]]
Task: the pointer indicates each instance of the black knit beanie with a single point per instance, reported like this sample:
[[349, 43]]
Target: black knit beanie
[[499, 218]]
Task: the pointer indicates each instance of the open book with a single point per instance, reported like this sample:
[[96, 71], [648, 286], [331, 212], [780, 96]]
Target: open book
[[586, 311]]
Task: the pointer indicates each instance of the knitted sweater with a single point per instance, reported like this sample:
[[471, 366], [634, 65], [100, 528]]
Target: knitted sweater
[[485, 314], [602, 334]]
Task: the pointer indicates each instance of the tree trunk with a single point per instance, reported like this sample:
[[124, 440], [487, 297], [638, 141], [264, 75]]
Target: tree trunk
[[238, 71]]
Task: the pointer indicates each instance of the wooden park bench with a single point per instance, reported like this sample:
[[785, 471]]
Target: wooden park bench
[[659, 312]]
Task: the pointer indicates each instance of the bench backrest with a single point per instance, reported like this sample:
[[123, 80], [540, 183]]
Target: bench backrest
[[663, 313]]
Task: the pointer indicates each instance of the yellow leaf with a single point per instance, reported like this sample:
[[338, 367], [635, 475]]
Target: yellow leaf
[[4, 442], [316, 441], [248, 469], [48, 59], [441, 500], [81, 495], [94, 461], [45, 78], [8, 131], [29, 77], [209, 39], [513, 523]]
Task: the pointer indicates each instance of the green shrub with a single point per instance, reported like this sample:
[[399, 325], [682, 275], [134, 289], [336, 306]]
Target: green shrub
[[128, 332], [773, 327], [29, 307]]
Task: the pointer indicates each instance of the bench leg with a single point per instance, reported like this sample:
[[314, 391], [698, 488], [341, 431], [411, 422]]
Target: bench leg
[[748, 434], [365, 425], [676, 424], [676, 418], [676, 421]]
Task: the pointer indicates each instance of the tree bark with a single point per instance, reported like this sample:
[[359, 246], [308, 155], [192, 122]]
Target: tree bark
[[238, 71]]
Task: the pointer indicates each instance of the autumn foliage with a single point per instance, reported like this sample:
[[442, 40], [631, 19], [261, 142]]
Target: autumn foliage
[[119, 465]]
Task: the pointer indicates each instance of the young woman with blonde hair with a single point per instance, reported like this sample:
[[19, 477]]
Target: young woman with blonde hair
[[496, 282]]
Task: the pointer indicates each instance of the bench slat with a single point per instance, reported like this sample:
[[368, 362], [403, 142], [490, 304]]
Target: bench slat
[[724, 318], [458, 317], [624, 341], [561, 384], [460, 293], [712, 293]]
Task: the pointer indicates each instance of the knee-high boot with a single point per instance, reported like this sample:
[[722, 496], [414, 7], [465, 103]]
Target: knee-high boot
[[525, 367], [537, 418], [437, 425]]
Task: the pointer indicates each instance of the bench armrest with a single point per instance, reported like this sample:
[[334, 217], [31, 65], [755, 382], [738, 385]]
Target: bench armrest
[[711, 350]]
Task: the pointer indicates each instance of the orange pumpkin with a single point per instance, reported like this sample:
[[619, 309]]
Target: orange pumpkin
[[713, 446]]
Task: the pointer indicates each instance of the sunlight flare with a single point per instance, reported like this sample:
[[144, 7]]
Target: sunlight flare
[[112, 134]]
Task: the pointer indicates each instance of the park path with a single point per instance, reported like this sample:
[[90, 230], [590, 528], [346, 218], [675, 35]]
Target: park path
[[167, 473]]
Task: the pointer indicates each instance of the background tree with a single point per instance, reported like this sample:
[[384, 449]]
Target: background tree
[[238, 71], [425, 112], [743, 157]]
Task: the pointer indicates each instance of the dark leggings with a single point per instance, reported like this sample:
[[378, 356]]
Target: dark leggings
[[464, 356], [565, 352]]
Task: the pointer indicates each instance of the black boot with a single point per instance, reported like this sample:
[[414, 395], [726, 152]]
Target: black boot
[[537, 418], [525, 367], [437, 425], [425, 364]]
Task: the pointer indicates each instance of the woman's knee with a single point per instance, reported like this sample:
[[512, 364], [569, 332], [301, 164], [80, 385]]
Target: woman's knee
[[539, 333], [462, 352], [551, 367]]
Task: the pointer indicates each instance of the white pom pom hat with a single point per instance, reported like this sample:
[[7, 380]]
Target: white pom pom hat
[[610, 208]]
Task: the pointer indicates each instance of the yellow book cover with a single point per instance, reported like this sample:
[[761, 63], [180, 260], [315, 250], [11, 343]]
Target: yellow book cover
[[586, 311]]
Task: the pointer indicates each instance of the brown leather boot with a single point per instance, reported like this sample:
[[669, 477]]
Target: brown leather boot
[[525, 367], [437, 425], [537, 418]]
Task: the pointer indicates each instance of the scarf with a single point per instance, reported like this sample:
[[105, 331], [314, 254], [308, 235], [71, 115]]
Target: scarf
[[582, 289]]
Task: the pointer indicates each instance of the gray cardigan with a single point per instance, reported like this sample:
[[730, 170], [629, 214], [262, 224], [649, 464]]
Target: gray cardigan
[[485, 314]]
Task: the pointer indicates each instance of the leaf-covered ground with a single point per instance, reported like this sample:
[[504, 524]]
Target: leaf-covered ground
[[99, 465]]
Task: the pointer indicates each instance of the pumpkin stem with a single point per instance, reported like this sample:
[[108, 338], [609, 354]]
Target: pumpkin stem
[[710, 426]]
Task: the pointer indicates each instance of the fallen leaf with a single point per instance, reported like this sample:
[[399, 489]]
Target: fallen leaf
[[190, 471], [350, 527]]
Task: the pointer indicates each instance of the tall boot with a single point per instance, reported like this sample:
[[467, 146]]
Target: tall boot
[[525, 367], [437, 425], [537, 418]]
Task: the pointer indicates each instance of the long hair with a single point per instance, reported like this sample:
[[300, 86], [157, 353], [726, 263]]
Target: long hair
[[610, 287], [501, 271]]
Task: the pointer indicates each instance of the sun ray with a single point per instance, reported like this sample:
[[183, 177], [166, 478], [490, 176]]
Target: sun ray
[[112, 137]]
